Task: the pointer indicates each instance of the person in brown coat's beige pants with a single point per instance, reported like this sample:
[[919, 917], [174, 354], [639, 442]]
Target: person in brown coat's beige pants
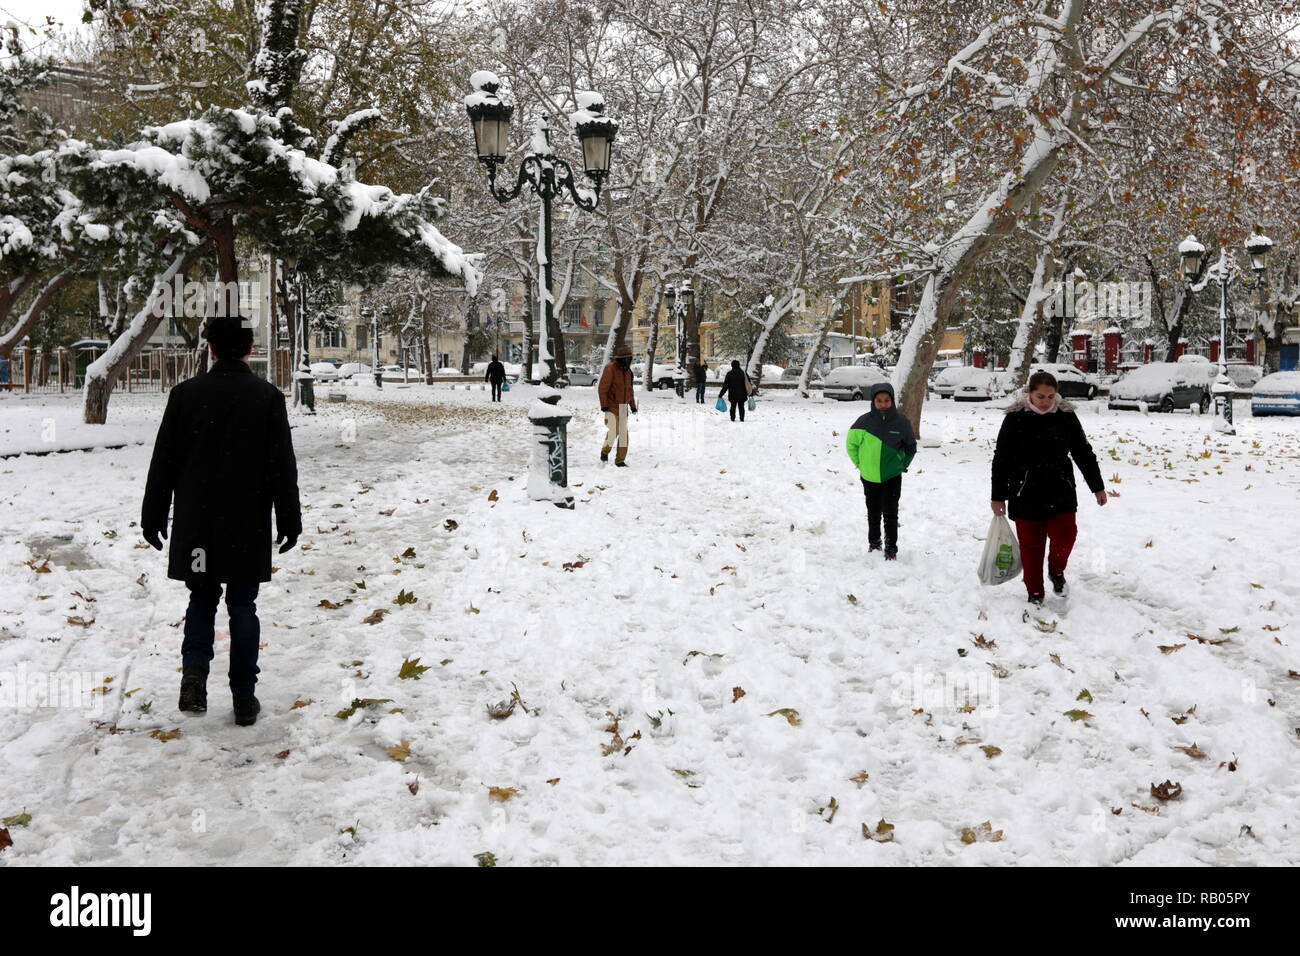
[[617, 398]]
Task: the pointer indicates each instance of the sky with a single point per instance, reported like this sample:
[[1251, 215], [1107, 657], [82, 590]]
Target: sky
[[34, 12]]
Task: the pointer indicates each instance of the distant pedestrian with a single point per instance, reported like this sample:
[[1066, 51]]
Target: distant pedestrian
[[881, 444], [495, 375], [617, 399], [223, 461], [736, 387], [701, 383], [1033, 479]]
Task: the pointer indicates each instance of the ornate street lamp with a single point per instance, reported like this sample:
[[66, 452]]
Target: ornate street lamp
[[1258, 247], [547, 176]]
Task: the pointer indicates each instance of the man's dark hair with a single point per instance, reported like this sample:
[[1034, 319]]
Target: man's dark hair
[[1041, 377], [494, 357], [229, 337]]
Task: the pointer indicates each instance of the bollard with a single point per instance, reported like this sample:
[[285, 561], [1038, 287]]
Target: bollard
[[306, 391], [548, 476]]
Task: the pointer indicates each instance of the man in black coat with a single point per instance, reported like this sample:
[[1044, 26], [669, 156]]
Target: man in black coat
[[224, 454], [736, 387], [495, 375], [701, 375]]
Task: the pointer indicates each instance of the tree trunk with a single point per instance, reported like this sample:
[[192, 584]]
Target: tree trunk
[[425, 352], [27, 320], [1032, 320], [647, 380], [104, 372], [529, 319]]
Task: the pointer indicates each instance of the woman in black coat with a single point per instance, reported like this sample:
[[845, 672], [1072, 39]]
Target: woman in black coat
[[1033, 479], [736, 387]]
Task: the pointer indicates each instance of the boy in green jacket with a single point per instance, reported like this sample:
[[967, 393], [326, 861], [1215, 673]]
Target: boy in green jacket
[[881, 444]]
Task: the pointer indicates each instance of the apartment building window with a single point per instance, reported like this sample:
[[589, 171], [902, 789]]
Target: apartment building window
[[598, 315], [572, 314], [363, 337], [330, 339]]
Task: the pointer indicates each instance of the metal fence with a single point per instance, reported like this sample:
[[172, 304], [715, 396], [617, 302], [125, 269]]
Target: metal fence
[[154, 370]]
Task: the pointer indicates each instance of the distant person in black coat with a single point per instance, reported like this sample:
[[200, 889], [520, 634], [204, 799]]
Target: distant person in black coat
[[1033, 479], [495, 375], [701, 373], [736, 387], [225, 456]]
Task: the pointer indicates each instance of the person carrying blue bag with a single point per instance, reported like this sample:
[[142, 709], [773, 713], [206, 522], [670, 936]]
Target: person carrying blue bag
[[736, 388], [881, 444]]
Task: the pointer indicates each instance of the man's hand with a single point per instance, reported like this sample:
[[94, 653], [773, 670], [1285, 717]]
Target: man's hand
[[1101, 497], [633, 409], [289, 541], [999, 507], [605, 409], [154, 536]]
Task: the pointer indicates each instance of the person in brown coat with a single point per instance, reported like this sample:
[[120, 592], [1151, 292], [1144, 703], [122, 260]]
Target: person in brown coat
[[616, 400]]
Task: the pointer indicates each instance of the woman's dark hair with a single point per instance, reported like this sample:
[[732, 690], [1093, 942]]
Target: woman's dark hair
[[1041, 378], [229, 337], [735, 363]]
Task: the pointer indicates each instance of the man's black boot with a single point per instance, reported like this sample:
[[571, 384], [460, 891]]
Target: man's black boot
[[246, 711], [1058, 582], [194, 693]]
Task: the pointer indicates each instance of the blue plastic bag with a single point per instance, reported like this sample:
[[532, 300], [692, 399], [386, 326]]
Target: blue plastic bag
[[505, 386], [751, 403], [720, 404]]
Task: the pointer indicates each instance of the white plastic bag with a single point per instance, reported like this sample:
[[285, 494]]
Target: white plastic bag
[[1000, 561]]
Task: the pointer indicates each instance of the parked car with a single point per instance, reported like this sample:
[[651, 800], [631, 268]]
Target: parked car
[[1244, 376], [349, 369], [852, 383], [980, 385], [447, 370], [663, 376], [1276, 394], [1071, 382], [946, 382], [792, 374], [324, 371], [582, 376], [1165, 386]]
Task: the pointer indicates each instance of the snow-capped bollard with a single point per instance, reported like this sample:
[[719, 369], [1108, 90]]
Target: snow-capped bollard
[[548, 476], [306, 389]]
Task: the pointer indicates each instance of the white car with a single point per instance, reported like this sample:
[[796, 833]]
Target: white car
[[1165, 386], [664, 376], [980, 385], [324, 371], [1071, 382], [852, 383], [946, 382], [349, 369], [448, 370], [1244, 376]]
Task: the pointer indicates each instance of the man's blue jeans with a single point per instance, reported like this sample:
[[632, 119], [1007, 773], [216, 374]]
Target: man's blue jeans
[[245, 632]]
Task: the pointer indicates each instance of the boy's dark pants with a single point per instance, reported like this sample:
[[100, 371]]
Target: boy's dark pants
[[882, 501], [245, 631], [496, 391], [699, 391]]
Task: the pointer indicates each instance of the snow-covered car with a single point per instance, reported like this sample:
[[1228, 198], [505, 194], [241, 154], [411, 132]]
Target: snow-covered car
[[349, 369], [980, 385], [580, 375], [663, 376], [852, 383], [324, 371], [479, 369], [1165, 386], [448, 370], [1071, 382], [513, 371], [946, 382], [1244, 376], [1276, 394], [792, 374]]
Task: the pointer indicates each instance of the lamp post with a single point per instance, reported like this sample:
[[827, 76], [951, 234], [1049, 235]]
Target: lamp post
[[546, 174], [680, 301]]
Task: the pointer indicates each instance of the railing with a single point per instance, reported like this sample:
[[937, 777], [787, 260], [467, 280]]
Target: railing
[[155, 370]]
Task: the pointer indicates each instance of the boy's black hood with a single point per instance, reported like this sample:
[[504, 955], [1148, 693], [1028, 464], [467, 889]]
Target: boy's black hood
[[890, 426]]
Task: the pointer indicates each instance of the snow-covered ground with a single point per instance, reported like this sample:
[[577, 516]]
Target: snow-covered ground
[[710, 666]]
